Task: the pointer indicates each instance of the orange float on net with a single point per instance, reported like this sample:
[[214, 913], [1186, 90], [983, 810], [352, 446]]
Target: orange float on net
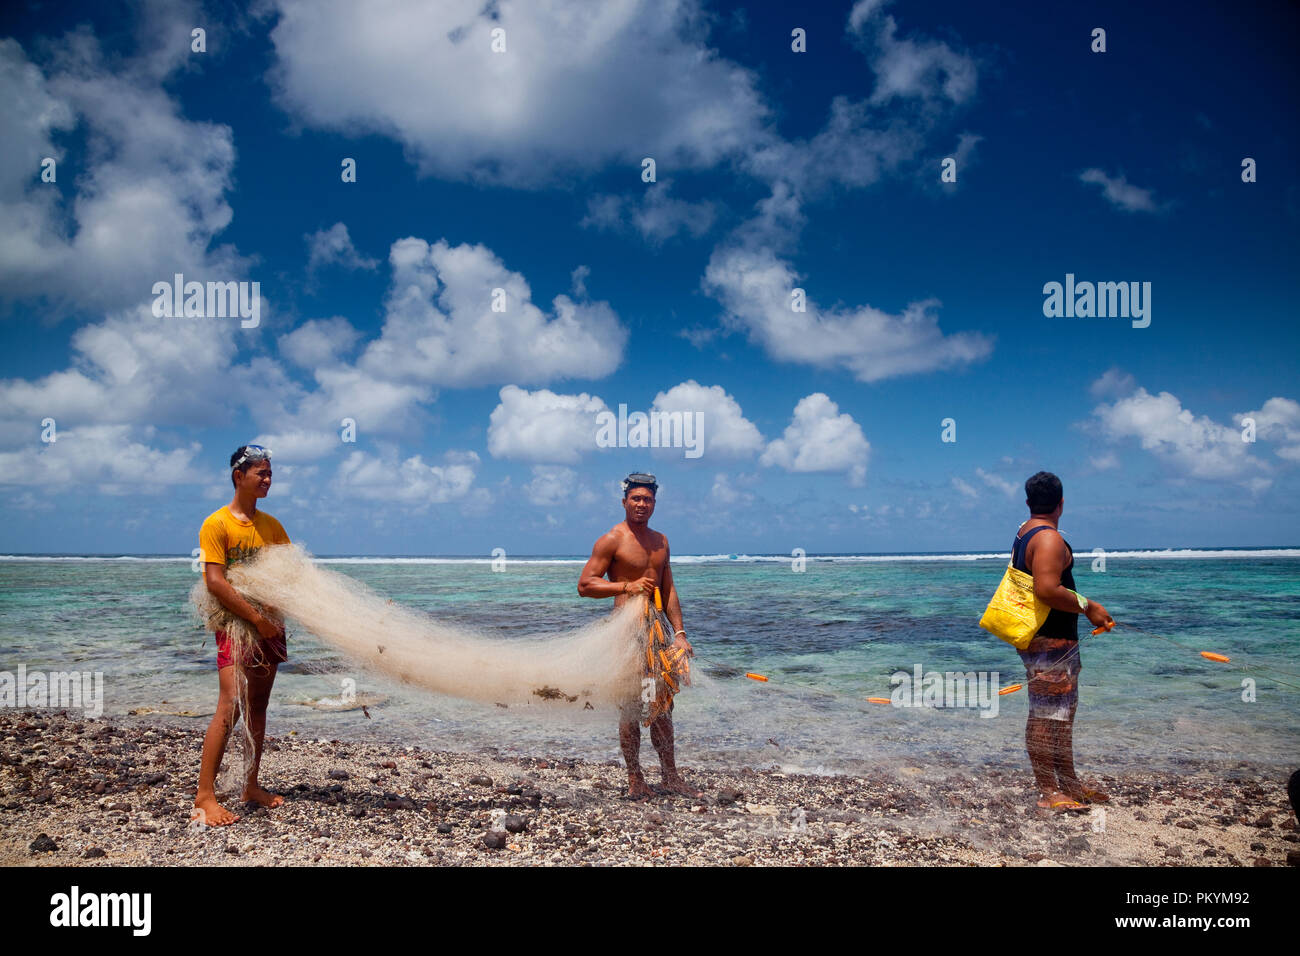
[[878, 700], [659, 604], [1010, 689], [1211, 656], [757, 677]]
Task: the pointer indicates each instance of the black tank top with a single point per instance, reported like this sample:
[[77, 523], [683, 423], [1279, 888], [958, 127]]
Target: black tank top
[[1059, 623]]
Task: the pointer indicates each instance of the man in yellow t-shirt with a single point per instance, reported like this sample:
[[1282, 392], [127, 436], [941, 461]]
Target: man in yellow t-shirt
[[232, 534]]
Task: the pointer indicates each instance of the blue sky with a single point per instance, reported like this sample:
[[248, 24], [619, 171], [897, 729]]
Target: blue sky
[[521, 170]]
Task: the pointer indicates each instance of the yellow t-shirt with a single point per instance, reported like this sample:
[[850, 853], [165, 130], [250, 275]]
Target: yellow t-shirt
[[224, 539]]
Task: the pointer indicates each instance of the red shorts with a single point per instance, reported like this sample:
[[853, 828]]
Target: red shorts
[[274, 651]]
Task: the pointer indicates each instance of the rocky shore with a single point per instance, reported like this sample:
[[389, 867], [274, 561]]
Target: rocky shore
[[75, 791]]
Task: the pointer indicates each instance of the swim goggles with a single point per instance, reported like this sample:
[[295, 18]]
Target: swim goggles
[[253, 453], [640, 479]]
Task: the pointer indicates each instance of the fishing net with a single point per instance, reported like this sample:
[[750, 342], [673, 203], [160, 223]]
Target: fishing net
[[597, 667]]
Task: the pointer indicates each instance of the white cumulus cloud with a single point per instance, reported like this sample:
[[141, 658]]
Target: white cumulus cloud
[[543, 426], [319, 342], [726, 430], [333, 246], [147, 190], [1278, 421], [135, 368], [731, 490], [410, 481], [1193, 445], [820, 438], [299, 445], [1113, 383], [441, 329], [578, 86], [108, 458], [551, 485], [755, 286], [907, 67]]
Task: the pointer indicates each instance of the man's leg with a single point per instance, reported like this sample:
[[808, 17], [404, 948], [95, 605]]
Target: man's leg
[[661, 735], [1040, 743], [260, 681], [629, 738], [1070, 782], [1063, 752], [1048, 682], [206, 806]]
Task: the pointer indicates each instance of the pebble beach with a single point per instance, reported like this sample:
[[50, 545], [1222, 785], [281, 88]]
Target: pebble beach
[[118, 791]]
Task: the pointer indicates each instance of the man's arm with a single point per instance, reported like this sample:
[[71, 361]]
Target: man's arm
[[592, 583], [1048, 562], [214, 576]]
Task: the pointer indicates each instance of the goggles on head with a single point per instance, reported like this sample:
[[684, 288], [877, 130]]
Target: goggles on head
[[640, 479], [252, 453]]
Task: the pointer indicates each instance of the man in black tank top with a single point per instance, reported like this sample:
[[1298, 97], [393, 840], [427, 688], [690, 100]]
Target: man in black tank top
[[1052, 658]]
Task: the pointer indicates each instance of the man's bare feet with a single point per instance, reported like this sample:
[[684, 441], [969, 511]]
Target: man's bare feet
[[637, 788], [675, 784], [209, 812], [1060, 803], [1086, 793], [264, 797]]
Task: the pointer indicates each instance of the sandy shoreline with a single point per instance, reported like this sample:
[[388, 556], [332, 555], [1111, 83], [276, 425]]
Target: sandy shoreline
[[107, 792]]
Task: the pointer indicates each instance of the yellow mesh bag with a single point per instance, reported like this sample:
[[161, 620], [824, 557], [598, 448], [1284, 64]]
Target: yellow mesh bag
[[1015, 614]]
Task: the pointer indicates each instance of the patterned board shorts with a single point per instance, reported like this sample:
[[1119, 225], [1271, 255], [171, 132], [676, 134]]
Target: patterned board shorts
[[267, 652], [1053, 678]]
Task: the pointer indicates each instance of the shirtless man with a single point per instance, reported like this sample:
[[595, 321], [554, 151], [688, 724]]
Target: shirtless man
[[636, 560]]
